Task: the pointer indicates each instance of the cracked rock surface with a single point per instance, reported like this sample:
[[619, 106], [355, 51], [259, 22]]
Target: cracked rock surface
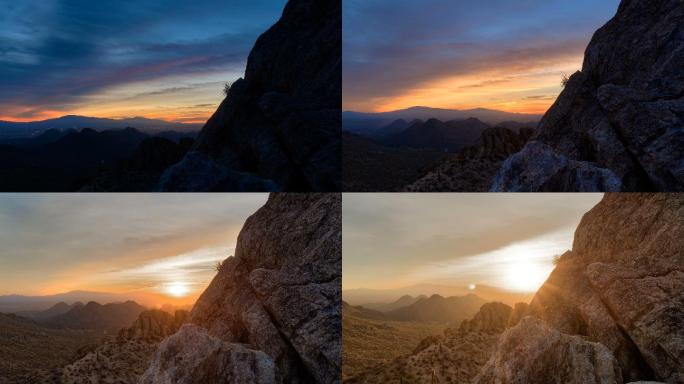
[[621, 118], [279, 297]]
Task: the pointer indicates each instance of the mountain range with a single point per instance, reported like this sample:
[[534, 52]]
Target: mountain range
[[10, 129], [22, 303], [366, 123]]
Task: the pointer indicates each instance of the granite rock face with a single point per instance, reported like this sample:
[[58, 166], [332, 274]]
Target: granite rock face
[[280, 295], [492, 318], [207, 359], [279, 128], [622, 286], [619, 123], [532, 352]]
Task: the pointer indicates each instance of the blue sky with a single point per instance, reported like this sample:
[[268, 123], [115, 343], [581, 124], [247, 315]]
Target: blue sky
[[123, 58], [463, 53]]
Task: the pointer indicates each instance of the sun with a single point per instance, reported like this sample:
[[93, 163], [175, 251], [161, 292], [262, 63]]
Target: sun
[[527, 276], [177, 289]]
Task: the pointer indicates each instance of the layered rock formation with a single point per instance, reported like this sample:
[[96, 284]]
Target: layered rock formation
[[273, 312], [473, 168], [279, 128], [619, 123], [621, 287], [536, 353]]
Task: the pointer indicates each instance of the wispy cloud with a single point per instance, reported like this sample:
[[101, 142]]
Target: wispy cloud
[[462, 53]]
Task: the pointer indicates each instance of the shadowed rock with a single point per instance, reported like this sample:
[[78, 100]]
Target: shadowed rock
[[279, 128], [619, 123]]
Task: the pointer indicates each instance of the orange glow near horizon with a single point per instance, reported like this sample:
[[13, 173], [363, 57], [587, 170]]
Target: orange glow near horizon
[[515, 88]]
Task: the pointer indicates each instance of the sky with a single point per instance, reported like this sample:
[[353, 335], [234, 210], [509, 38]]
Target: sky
[[150, 246], [166, 59], [498, 54], [505, 241]]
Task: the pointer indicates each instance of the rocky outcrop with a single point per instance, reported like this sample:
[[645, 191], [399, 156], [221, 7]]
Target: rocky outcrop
[[279, 128], [207, 359], [622, 286], [154, 325], [279, 298], [125, 359], [619, 123], [492, 318], [532, 352], [474, 167]]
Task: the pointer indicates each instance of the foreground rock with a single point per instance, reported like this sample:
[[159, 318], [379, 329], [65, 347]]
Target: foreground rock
[[622, 286], [278, 299], [619, 123], [532, 352], [279, 128], [208, 360]]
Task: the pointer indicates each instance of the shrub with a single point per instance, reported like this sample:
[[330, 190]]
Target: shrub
[[564, 80], [226, 88]]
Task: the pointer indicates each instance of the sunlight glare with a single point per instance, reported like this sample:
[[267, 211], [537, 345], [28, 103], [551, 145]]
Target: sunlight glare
[[177, 289], [526, 276]]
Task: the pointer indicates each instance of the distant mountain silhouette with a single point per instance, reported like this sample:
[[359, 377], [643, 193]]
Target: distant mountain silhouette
[[56, 310], [19, 303], [403, 301], [9, 129], [439, 308], [62, 161], [111, 317], [450, 136], [366, 123]]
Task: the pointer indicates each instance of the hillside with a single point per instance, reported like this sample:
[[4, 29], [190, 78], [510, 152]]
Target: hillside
[[370, 342], [26, 347], [370, 166]]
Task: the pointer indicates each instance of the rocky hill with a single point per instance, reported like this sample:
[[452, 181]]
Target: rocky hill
[[279, 127], [474, 168], [456, 356], [612, 310], [124, 360], [403, 301], [619, 123], [272, 314]]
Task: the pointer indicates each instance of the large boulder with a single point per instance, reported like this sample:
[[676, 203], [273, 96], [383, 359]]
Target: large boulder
[[621, 118], [207, 359], [279, 128], [532, 352], [280, 294]]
